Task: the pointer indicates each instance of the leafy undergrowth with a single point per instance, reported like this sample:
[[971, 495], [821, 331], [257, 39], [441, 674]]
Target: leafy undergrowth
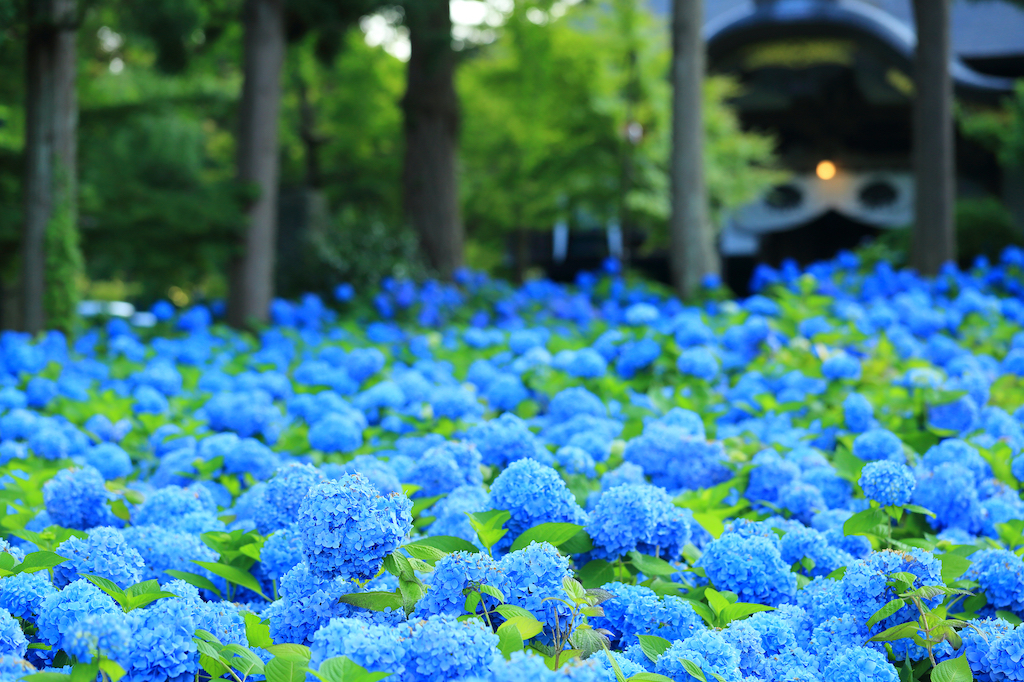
[[473, 482]]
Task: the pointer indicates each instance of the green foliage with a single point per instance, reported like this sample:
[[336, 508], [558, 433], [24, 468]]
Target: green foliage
[[1001, 130], [135, 597]]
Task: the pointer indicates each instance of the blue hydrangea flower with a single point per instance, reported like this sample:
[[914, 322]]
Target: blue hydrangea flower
[[749, 566], [278, 505], [705, 648], [347, 527], [698, 362], [959, 416], [104, 553], [575, 401], [841, 366], [363, 363], [533, 493], [505, 440], [453, 575], [450, 513], [446, 467], [999, 572], [62, 612], [879, 444], [77, 498], [505, 392], [161, 645], [858, 413], [535, 573], [636, 356], [162, 549], [164, 507], [627, 517], [888, 483], [23, 593], [587, 363], [336, 433], [12, 639], [281, 552], [636, 610], [677, 460], [576, 460], [110, 460], [107, 634], [859, 664]]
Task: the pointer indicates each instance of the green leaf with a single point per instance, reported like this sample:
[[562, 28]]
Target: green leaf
[[425, 553], [528, 627], [649, 677], [85, 672], [953, 670], [257, 632], [291, 651], [704, 611], [492, 591], [508, 611], [651, 566], [488, 525], [693, 669], [344, 669], [575, 591], [596, 573], [711, 523], [552, 533], [837, 574], [865, 522], [919, 510], [653, 646], [577, 544], [289, 669], [1009, 617], [847, 464], [509, 641], [120, 509], [110, 587], [953, 566], [39, 561], [716, 601], [47, 677], [146, 599], [373, 601], [194, 579], [233, 575], [901, 631], [243, 660], [886, 611], [113, 670], [447, 544], [741, 610]]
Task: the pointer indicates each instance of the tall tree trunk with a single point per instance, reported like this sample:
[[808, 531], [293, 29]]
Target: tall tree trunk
[[51, 261], [252, 272], [933, 241], [431, 136], [693, 253]]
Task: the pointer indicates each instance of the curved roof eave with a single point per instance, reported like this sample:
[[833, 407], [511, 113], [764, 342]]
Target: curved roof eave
[[853, 16]]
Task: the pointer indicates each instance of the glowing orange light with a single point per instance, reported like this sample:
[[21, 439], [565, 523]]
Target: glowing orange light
[[826, 170]]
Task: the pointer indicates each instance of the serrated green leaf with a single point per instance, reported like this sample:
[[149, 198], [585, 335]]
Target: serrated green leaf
[[649, 677], [716, 601], [257, 632], [896, 632], [508, 611], [651, 566], [109, 587], [291, 651]]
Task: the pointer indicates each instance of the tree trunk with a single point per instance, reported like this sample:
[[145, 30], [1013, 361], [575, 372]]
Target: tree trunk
[[693, 253], [50, 262], [252, 272], [431, 136], [933, 241]]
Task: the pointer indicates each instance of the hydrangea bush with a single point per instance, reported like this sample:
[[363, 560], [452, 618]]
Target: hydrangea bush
[[470, 481]]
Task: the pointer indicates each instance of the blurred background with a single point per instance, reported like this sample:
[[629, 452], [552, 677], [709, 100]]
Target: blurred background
[[202, 150]]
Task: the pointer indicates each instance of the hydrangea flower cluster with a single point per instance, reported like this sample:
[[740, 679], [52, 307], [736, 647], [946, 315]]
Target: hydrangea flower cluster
[[603, 407]]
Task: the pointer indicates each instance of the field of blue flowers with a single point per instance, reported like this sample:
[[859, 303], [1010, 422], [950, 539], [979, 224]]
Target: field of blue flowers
[[476, 482]]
